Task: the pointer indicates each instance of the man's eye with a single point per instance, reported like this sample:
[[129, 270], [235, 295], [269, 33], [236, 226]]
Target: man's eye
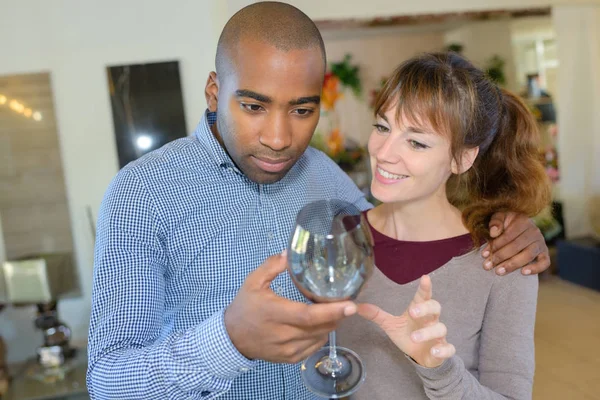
[[252, 107], [304, 111]]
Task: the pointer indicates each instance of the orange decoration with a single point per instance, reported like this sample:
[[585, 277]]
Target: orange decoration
[[335, 142], [331, 94]]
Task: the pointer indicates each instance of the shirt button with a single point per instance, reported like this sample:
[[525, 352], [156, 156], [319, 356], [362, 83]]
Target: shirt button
[[270, 235], [244, 369], [279, 290]]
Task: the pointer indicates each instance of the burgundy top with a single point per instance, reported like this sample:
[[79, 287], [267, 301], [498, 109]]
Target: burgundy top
[[404, 262]]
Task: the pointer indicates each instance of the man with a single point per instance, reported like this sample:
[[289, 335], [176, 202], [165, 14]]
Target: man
[[184, 303]]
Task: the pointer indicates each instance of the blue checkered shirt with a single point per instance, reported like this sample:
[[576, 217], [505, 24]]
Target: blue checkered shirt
[[178, 232]]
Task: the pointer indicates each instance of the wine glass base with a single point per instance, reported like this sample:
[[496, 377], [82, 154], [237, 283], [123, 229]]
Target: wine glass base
[[333, 385]]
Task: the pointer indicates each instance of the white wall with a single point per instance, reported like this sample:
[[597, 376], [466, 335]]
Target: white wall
[[578, 36], [532, 28], [377, 55], [482, 40], [75, 40]]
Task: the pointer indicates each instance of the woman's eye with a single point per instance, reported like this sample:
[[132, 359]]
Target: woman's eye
[[418, 145], [381, 129]]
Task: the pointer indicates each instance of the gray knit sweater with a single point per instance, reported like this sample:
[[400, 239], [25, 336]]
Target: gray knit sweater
[[490, 321]]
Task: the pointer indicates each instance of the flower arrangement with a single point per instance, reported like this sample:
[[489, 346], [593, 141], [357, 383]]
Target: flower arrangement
[[548, 224], [331, 92], [549, 132], [551, 157], [329, 137], [546, 221]]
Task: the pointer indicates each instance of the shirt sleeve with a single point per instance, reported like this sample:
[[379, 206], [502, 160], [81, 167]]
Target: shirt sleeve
[[506, 351], [130, 354]]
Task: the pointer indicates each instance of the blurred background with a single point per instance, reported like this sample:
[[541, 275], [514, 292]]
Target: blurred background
[[87, 87]]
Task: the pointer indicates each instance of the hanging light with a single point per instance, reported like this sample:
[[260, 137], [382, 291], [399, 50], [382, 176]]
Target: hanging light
[[16, 106], [20, 108]]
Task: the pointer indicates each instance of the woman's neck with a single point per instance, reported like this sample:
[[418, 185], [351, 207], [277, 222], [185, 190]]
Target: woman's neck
[[422, 220]]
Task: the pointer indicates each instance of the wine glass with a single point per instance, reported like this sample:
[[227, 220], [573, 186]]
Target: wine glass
[[330, 257]]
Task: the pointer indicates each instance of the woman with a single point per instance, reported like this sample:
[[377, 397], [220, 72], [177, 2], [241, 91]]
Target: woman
[[444, 128]]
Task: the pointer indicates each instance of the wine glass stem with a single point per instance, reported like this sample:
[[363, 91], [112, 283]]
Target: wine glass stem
[[332, 365], [332, 349]]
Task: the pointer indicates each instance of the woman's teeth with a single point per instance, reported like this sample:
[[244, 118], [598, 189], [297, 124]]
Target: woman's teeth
[[389, 175]]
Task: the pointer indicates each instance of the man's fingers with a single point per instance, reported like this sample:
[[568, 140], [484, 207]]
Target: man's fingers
[[521, 260], [374, 314], [541, 263], [297, 350], [518, 244], [424, 292], [517, 226], [499, 222], [486, 251], [517, 254], [265, 273], [318, 330], [508, 234], [305, 315], [496, 224], [292, 335], [307, 350], [429, 308]]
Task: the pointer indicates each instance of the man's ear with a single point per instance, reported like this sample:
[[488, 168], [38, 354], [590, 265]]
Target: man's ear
[[211, 92], [466, 161]]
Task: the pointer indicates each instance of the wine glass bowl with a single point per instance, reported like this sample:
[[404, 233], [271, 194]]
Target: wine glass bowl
[[330, 257], [330, 254]]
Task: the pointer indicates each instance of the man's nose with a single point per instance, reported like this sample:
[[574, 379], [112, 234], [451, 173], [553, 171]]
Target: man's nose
[[277, 134]]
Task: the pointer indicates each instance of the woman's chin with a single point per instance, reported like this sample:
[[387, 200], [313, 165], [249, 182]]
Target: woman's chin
[[384, 196]]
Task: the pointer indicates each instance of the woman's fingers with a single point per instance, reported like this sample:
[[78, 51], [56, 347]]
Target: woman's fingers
[[429, 308], [375, 314], [443, 351], [424, 292], [435, 331]]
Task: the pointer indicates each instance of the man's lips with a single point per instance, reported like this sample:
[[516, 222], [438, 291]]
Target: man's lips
[[270, 164]]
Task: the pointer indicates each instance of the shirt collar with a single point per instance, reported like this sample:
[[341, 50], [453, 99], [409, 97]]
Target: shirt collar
[[205, 136], [217, 152]]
